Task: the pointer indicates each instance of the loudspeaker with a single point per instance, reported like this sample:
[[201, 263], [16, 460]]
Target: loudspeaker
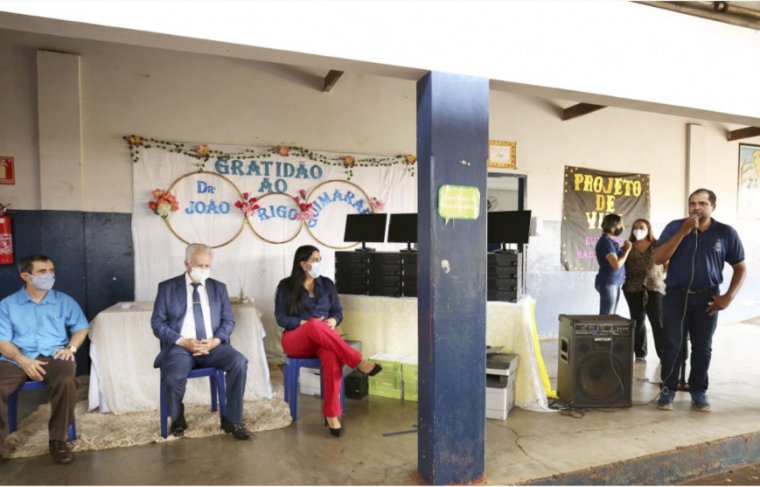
[[356, 384], [595, 366]]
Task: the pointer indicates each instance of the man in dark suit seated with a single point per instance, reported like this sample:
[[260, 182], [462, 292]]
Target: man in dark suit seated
[[192, 317]]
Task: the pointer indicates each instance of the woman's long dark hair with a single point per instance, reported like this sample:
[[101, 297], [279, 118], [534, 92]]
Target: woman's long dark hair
[[303, 253], [610, 221]]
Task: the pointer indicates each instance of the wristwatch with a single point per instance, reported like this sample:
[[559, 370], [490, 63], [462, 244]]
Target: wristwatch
[[72, 348]]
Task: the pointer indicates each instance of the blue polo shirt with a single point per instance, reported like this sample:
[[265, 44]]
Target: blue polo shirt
[[325, 303], [39, 329], [607, 276], [718, 244]]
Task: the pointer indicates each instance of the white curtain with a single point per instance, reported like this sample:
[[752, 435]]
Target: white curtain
[[248, 264]]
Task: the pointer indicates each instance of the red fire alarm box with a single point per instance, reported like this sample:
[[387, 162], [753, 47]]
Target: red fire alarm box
[[7, 173]]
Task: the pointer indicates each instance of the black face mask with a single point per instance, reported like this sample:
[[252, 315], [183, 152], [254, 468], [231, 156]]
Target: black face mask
[[618, 232]]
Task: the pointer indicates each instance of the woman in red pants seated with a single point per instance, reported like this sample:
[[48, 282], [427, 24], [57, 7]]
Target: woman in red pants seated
[[307, 307]]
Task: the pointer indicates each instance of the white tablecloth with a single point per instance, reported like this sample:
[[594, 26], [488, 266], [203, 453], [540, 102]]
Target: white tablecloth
[[123, 347], [389, 325]]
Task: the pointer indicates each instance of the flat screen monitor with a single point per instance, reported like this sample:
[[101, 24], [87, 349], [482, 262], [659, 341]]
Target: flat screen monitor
[[402, 228], [369, 227], [509, 227]]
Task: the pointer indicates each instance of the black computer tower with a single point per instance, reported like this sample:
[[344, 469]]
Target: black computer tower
[[409, 274], [384, 274], [504, 272], [351, 272]]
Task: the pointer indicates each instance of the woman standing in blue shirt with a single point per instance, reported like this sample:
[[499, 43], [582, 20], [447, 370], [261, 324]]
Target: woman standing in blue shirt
[[308, 308], [611, 259]]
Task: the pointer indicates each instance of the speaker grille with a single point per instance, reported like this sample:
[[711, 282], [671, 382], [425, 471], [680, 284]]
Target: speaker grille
[[599, 379]]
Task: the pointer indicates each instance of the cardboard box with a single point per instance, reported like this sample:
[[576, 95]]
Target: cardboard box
[[387, 383], [410, 376], [309, 381]]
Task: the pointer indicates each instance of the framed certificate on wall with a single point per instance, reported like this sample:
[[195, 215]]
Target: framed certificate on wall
[[502, 153]]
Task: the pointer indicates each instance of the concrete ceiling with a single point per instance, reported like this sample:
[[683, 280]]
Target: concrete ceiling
[[78, 30]]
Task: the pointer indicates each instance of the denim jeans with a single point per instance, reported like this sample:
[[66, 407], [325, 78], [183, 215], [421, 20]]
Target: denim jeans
[[685, 314], [639, 312], [609, 295]]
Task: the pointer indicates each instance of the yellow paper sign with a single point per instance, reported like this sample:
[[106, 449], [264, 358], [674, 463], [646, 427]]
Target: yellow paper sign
[[458, 202]]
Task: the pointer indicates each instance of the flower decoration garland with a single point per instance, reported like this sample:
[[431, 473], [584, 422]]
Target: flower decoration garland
[[306, 212], [377, 205], [163, 203], [203, 153], [248, 204], [135, 140]]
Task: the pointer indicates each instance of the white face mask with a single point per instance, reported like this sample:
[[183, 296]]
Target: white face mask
[[640, 234], [198, 274], [314, 271], [44, 282]]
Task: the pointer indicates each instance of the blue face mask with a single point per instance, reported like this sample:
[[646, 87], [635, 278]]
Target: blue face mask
[[314, 271], [44, 282]]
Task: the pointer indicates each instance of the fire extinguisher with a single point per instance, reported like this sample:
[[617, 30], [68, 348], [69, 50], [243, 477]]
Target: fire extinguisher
[[6, 244]]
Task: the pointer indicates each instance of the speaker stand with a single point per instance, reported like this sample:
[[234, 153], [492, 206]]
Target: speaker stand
[[682, 384]]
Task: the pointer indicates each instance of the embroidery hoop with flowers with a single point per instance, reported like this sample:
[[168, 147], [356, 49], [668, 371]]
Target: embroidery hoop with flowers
[[306, 212], [163, 203], [248, 204], [203, 153]]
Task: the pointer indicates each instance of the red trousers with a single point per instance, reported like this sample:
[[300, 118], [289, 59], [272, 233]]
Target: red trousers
[[316, 338]]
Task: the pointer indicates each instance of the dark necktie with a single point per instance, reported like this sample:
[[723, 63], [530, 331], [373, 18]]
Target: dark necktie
[[200, 327]]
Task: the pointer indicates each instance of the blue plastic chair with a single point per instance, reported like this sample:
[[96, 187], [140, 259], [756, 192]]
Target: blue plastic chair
[[218, 395], [32, 385], [292, 370]]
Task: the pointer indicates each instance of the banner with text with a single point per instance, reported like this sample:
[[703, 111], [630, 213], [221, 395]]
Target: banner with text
[[590, 195], [255, 205]]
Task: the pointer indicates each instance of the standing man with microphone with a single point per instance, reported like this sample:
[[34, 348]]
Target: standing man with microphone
[[697, 248]]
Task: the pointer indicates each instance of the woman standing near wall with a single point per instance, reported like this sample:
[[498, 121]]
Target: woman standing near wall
[[644, 287], [611, 259]]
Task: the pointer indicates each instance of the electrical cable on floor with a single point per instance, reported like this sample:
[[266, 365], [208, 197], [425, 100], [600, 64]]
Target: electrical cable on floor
[[402, 432], [567, 409]]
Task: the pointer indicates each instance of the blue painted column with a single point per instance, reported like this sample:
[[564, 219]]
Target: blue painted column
[[452, 149]]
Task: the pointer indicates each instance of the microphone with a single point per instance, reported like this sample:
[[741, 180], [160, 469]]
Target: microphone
[[696, 229]]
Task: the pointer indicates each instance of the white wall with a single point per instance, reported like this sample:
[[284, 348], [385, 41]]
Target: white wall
[[611, 139], [200, 98], [196, 98]]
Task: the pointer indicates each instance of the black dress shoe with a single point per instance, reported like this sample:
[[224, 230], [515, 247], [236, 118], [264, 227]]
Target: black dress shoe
[[61, 452], [336, 432], [238, 430], [375, 370], [179, 425]]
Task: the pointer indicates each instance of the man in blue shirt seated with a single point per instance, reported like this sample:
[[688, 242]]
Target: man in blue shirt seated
[[40, 331], [697, 248]]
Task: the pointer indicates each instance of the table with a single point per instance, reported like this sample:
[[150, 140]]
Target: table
[[385, 324], [123, 347]]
